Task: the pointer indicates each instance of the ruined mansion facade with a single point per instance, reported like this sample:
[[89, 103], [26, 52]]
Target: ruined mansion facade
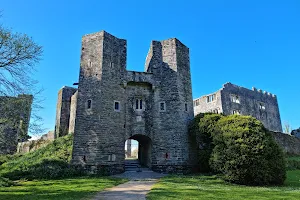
[[233, 99], [113, 104]]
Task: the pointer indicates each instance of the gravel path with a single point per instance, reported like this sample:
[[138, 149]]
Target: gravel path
[[139, 185]]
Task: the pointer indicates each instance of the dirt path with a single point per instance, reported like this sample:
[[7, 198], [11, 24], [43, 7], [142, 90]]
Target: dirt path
[[139, 185]]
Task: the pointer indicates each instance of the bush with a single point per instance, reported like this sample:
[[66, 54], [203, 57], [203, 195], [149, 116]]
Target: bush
[[49, 162], [246, 153], [202, 128], [5, 182]]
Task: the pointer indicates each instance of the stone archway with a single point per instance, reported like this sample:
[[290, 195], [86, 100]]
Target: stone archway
[[144, 149]]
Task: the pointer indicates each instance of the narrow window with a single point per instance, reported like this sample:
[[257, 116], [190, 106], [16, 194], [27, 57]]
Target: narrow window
[[89, 104], [236, 112], [235, 98], [137, 104], [117, 106], [262, 106], [141, 104], [186, 107], [162, 106]]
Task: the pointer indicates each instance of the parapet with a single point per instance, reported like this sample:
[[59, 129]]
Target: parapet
[[254, 89]]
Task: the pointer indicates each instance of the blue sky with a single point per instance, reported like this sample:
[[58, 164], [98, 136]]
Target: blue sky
[[249, 43]]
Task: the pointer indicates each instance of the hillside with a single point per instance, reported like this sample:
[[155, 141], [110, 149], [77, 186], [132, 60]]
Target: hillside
[[51, 161]]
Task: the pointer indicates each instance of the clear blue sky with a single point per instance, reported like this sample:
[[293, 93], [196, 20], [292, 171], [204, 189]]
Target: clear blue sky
[[249, 43]]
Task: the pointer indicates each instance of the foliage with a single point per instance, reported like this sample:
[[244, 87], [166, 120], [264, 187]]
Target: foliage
[[6, 158], [194, 187], [19, 55], [51, 161], [64, 189], [202, 128], [246, 153], [5, 182], [293, 162]]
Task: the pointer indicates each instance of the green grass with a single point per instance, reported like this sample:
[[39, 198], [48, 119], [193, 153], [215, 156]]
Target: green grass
[[211, 187], [65, 189], [51, 161]]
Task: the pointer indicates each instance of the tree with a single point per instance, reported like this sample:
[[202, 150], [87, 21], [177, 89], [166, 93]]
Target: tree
[[19, 55], [287, 128]]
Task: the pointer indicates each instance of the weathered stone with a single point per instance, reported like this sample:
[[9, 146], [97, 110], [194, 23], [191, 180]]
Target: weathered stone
[[63, 111], [296, 133], [153, 107], [233, 99], [14, 121]]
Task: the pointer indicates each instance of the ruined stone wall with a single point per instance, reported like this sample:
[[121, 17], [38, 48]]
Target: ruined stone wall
[[250, 104], [201, 105], [63, 111], [73, 112], [14, 121], [289, 143], [261, 105]]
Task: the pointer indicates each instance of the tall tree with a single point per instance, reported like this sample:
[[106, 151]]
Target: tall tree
[[19, 55]]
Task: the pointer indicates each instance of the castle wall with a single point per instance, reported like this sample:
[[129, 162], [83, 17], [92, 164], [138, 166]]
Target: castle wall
[[290, 144], [233, 99], [250, 104], [63, 111], [73, 112], [107, 115], [14, 122], [203, 105]]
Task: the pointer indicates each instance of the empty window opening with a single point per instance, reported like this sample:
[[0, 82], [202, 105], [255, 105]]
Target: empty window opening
[[197, 102], [162, 106], [89, 104], [235, 98], [236, 112], [139, 104], [215, 111], [117, 105], [210, 98], [186, 107], [262, 106]]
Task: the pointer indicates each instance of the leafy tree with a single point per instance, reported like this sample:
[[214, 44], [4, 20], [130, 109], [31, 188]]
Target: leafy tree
[[202, 128], [19, 55]]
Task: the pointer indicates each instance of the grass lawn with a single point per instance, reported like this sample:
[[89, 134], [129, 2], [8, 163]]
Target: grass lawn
[[72, 188], [211, 187]]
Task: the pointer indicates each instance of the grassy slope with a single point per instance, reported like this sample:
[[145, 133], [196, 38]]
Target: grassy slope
[[65, 189], [54, 156], [211, 187]]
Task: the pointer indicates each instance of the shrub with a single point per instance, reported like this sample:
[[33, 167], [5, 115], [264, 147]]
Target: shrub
[[202, 128], [246, 153], [5, 182]]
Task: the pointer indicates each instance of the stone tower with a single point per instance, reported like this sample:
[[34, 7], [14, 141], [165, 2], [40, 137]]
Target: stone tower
[[113, 105]]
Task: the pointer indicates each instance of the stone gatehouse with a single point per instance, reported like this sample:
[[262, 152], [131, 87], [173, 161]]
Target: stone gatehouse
[[112, 105]]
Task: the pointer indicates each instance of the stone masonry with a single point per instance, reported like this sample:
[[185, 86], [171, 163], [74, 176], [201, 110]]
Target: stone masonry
[[14, 121], [112, 105], [63, 111], [233, 99]]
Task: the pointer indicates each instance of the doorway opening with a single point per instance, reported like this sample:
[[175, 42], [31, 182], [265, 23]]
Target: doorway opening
[[138, 148]]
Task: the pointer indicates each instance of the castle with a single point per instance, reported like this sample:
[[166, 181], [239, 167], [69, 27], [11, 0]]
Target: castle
[[233, 99], [154, 107], [14, 121], [112, 105]]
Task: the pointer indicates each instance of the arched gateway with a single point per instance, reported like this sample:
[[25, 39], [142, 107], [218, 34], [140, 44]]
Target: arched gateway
[[113, 104]]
